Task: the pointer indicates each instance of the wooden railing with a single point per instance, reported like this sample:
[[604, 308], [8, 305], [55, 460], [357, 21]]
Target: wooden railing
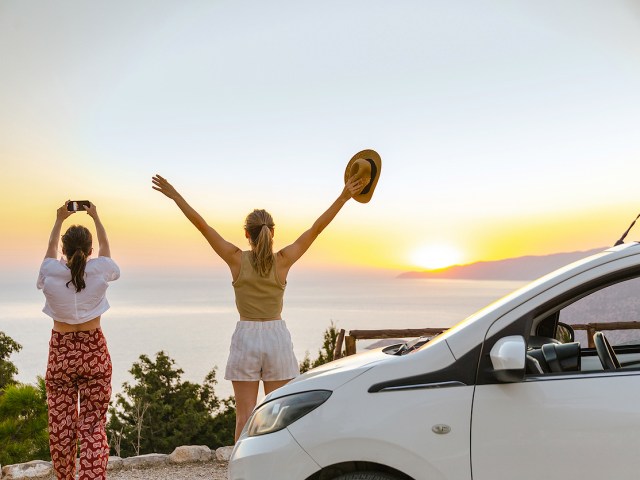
[[592, 328], [349, 341]]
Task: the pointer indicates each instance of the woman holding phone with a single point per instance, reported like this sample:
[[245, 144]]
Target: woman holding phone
[[261, 347], [78, 377]]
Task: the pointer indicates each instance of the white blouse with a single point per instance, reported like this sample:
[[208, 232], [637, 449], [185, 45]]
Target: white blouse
[[63, 303]]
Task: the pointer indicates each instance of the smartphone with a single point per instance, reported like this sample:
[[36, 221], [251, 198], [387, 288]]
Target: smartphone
[[78, 205]]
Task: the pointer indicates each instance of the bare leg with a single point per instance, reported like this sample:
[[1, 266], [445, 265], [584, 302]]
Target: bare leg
[[273, 385], [246, 397]]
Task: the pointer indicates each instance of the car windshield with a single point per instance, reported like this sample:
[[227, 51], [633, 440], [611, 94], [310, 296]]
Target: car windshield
[[526, 291]]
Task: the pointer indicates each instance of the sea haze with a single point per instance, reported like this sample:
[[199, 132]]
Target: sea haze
[[192, 317]]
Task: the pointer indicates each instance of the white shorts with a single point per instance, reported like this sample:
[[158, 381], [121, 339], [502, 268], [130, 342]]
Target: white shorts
[[261, 350]]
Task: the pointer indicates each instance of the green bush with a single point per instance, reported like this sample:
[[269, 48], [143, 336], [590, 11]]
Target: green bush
[[23, 423], [325, 354], [159, 412], [7, 369]]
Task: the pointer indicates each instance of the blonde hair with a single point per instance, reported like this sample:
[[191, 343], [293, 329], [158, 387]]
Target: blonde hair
[[259, 224]]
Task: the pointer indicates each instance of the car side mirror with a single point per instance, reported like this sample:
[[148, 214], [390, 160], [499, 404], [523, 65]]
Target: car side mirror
[[564, 333], [508, 358]]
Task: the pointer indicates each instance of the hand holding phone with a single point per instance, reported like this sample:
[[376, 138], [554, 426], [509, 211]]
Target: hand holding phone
[[78, 205]]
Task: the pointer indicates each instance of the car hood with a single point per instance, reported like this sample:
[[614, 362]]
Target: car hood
[[332, 375]]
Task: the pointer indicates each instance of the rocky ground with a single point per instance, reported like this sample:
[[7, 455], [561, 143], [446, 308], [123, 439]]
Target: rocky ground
[[185, 463], [213, 470]]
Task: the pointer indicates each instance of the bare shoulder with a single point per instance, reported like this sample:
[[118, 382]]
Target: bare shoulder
[[281, 257], [283, 265], [234, 262]]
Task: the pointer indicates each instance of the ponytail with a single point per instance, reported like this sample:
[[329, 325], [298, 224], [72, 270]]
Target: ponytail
[[77, 264], [76, 245], [259, 224]]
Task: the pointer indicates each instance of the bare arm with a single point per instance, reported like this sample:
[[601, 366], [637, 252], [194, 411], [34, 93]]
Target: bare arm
[[292, 253], [61, 215], [226, 250], [103, 241]]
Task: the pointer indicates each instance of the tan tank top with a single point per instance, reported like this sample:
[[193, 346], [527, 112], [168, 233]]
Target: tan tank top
[[258, 297]]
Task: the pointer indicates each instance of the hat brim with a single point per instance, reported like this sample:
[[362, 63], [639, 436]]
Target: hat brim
[[376, 166]]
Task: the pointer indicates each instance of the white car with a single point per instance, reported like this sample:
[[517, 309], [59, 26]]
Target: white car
[[506, 394]]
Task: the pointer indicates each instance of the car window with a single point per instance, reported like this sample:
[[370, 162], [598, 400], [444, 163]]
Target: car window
[[616, 303]]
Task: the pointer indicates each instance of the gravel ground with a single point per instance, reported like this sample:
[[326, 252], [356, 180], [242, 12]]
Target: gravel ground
[[186, 471]]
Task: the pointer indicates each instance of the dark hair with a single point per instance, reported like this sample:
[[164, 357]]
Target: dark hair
[[259, 224], [76, 245]]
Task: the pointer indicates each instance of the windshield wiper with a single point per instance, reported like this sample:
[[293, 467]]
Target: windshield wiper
[[412, 345]]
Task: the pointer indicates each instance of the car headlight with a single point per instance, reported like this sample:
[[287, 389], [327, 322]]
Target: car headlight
[[281, 412]]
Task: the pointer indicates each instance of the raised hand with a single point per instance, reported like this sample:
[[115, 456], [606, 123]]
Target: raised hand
[[352, 188], [62, 213], [163, 186], [91, 210]]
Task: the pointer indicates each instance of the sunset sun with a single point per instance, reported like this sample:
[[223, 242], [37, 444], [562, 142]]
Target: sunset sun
[[432, 257]]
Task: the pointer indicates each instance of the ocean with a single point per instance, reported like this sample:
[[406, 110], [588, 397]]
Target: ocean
[[191, 316]]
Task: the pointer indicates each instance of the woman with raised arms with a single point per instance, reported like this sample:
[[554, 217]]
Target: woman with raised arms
[[78, 377], [261, 347]]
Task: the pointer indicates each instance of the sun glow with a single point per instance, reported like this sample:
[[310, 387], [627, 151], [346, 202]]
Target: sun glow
[[433, 257]]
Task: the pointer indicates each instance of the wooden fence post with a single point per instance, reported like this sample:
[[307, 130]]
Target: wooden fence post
[[337, 352], [350, 344], [591, 331]]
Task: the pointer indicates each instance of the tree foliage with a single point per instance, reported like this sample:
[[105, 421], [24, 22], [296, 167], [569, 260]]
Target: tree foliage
[[7, 369], [325, 354], [23, 423], [159, 411]]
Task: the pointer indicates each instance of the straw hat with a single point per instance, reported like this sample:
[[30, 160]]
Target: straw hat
[[365, 164]]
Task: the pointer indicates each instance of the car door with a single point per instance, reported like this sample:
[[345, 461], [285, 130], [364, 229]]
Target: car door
[[580, 424]]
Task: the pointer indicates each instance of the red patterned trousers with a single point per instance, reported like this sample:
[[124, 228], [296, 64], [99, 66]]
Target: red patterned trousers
[[78, 392]]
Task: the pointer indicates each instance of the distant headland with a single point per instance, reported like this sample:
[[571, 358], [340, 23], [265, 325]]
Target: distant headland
[[520, 268]]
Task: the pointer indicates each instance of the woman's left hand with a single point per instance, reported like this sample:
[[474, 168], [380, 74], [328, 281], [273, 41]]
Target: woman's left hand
[[352, 188], [62, 213]]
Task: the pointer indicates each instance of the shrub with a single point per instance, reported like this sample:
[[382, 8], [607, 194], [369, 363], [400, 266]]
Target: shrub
[[23, 423], [7, 369], [325, 354], [159, 411]]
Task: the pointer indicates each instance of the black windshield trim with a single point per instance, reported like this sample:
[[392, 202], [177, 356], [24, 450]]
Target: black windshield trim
[[462, 371]]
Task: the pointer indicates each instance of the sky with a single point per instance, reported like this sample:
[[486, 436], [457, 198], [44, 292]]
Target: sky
[[506, 128]]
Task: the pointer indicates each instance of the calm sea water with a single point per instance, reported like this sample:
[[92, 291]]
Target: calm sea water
[[192, 317]]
